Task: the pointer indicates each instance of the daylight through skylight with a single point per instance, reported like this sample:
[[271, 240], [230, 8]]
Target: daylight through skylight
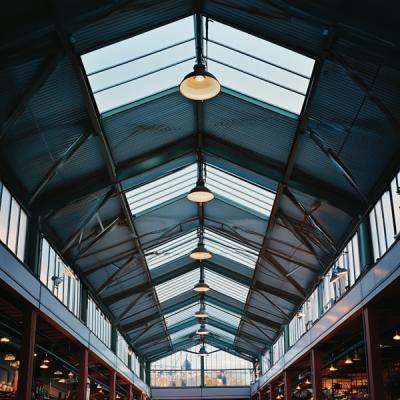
[[225, 186]]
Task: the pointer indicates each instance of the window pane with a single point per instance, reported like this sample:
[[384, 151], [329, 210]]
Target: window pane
[[13, 227], [22, 235], [4, 214]]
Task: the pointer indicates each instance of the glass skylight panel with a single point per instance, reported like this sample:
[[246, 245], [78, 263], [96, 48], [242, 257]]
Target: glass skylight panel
[[258, 68], [181, 315], [219, 333], [171, 250], [177, 336], [226, 286], [239, 191], [141, 66], [231, 249], [177, 286], [224, 316], [162, 190]]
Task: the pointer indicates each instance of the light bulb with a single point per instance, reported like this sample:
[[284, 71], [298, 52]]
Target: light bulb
[[396, 336]]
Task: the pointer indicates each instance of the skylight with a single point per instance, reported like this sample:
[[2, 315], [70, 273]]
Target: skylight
[[183, 332], [181, 315], [219, 333], [232, 249], [226, 286], [224, 185], [258, 68], [177, 286], [162, 190], [171, 250], [142, 65], [221, 315]]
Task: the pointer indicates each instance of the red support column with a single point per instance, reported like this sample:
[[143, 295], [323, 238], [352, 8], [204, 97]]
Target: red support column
[[24, 390], [130, 392], [272, 391], [83, 374], [113, 382], [287, 379], [374, 361], [315, 361]]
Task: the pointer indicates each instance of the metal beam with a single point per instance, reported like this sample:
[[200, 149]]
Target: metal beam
[[59, 164], [271, 169], [105, 146], [44, 71]]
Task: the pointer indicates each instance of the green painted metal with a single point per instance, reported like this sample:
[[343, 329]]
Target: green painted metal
[[259, 103], [365, 245], [140, 102]]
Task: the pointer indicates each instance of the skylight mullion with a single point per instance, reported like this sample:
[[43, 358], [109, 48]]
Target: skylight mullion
[[103, 89], [260, 59], [258, 77], [233, 242], [239, 181], [131, 60], [174, 242], [161, 184]]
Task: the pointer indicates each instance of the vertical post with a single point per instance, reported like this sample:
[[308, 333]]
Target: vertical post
[[84, 304], [287, 379], [148, 374], [202, 377], [272, 389], [315, 360], [24, 390], [83, 373], [320, 298], [112, 384], [286, 337], [114, 338], [373, 352], [365, 245], [32, 252], [130, 391]]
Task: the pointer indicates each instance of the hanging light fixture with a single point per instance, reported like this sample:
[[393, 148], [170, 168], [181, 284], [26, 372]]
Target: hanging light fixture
[[337, 273], [9, 357], [43, 365], [4, 340], [98, 386], [46, 360], [57, 373], [201, 286], [332, 368], [307, 382], [200, 253], [203, 352], [199, 84], [202, 331], [356, 356], [62, 380], [348, 360], [70, 375], [396, 336], [201, 313]]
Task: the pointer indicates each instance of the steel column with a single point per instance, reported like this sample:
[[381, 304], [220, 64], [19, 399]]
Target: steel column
[[315, 361], [365, 245], [24, 390], [202, 377], [112, 385], [287, 379], [373, 352], [148, 375], [83, 373], [272, 388]]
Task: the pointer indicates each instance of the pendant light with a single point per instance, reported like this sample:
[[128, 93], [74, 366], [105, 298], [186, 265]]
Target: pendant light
[[396, 336], [44, 365], [200, 253], [332, 368], [307, 382], [337, 273], [200, 84], [201, 286], [348, 360], [356, 356], [98, 386], [203, 352], [202, 331], [4, 340], [9, 357], [298, 387], [201, 313], [58, 373]]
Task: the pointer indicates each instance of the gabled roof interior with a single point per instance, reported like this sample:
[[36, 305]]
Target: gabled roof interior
[[103, 152]]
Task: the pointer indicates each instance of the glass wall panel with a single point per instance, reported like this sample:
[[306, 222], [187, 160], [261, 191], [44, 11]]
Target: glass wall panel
[[13, 223], [98, 323], [59, 278]]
